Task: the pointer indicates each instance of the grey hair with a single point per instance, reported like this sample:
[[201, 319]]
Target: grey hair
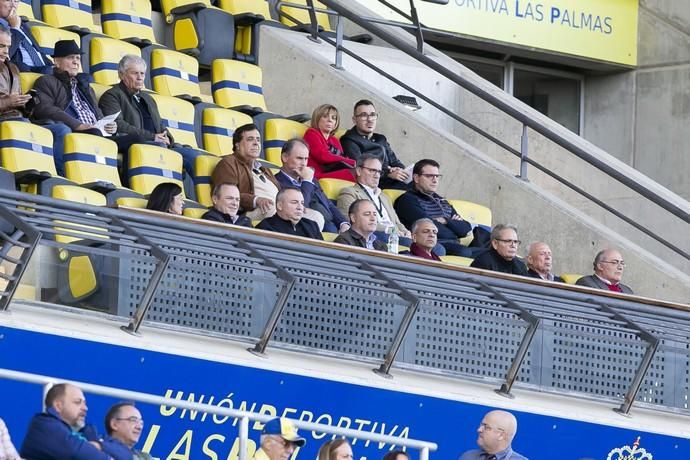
[[366, 157], [5, 30], [498, 228], [418, 222], [128, 60]]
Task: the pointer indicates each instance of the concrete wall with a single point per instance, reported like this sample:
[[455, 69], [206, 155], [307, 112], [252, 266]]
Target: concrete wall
[[298, 76], [642, 116]]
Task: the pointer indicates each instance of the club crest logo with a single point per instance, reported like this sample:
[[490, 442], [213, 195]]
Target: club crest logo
[[630, 453]]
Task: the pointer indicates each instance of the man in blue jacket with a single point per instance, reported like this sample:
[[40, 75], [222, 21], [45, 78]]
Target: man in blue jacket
[[60, 432], [124, 425]]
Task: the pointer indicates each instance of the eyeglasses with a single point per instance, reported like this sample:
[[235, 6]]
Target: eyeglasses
[[432, 176], [486, 427], [369, 116], [284, 442], [372, 170], [510, 242], [135, 420], [620, 263]]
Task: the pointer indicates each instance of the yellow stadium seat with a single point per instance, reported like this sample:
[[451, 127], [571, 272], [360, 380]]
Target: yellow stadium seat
[[103, 56], [45, 37], [393, 194], [25, 147], [276, 132], [237, 85], [174, 74], [255, 7], [571, 278], [194, 213], [201, 176], [332, 187], [249, 16], [328, 236], [25, 10], [99, 89], [474, 213], [177, 116], [73, 15], [91, 161], [457, 260], [218, 126], [302, 15], [151, 165], [200, 29], [28, 79], [128, 20]]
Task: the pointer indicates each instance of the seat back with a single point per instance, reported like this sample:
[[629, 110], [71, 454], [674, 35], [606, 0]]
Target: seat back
[[91, 159], [218, 126], [25, 146], [203, 168], [123, 19], [69, 13], [302, 15], [174, 73], [393, 194], [258, 7], [25, 8], [168, 5], [472, 212], [45, 37], [178, 116], [27, 80], [237, 83], [104, 54], [78, 195], [332, 187], [150, 165], [99, 89], [277, 131], [571, 278]]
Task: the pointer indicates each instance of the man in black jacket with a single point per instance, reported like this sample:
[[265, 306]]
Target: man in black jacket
[[226, 204], [502, 257], [361, 139], [289, 214]]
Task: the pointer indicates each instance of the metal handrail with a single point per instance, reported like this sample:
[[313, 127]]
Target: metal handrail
[[245, 417], [528, 120]]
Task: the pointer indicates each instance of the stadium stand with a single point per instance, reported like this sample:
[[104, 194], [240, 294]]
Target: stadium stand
[[102, 56], [217, 127], [77, 18], [128, 20]]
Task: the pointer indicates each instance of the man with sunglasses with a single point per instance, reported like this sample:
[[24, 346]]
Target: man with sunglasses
[[502, 256], [608, 272], [124, 426], [361, 139], [279, 439], [422, 201]]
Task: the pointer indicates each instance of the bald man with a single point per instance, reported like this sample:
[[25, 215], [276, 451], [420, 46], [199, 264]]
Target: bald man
[[608, 272], [539, 262], [495, 436]]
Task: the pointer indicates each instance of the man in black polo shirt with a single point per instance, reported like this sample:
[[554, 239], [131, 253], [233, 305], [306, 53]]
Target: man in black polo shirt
[[289, 214]]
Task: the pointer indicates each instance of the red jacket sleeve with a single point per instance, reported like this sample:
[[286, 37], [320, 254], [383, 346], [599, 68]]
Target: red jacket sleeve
[[319, 154]]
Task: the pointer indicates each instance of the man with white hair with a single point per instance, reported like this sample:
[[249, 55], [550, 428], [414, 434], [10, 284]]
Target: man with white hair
[[279, 439], [539, 262], [495, 437], [608, 272]]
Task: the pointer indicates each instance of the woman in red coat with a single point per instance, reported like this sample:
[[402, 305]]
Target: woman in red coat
[[325, 151]]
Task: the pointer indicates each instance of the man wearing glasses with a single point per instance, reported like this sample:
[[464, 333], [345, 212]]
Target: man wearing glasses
[[124, 425], [502, 256], [608, 272], [422, 201], [494, 438], [279, 439], [361, 139]]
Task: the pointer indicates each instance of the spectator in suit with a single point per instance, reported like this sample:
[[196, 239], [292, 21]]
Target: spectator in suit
[[7, 450], [24, 53], [423, 201], [363, 217], [289, 217], [361, 139], [608, 272], [367, 174], [226, 204], [166, 197], [502, 257], [495, 437], [539, 261], [295, 173], [325, 151], [424, 238], [123, 425], [61, 431], [258, 187]]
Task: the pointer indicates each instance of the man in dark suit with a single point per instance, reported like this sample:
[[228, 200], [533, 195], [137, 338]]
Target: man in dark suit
[[540, 261], [289, 217], [608, 272], [296, 173], [24, 53]]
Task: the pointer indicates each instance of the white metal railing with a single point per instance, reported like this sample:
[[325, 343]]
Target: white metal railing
[[245, 417]]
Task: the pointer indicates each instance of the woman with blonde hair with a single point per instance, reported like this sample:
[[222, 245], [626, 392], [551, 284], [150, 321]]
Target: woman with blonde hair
[[325, 152], [336, 449]]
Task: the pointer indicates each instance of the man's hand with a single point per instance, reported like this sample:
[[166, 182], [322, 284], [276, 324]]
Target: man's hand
[[307, 173], [96, 444], [406, 234], [398, 174], [264, 204], [13, 19], [84, 127], [457, 217], [110, 128], [441, 220], [161, 138], [345, 226], [18, 100]]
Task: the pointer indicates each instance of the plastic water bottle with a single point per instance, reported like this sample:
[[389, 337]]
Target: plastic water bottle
[[393, 241]]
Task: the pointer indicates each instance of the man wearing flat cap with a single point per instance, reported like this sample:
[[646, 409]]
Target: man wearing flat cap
[[279, 439], [66, 97]]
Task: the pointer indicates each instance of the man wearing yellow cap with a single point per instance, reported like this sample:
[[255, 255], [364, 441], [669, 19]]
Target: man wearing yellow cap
[[279, 439]]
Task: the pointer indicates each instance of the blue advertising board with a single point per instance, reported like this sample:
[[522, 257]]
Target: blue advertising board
[[175, 434]]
